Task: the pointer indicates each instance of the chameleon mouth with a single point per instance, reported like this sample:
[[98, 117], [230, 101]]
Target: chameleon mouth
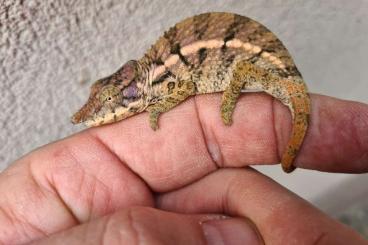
[[108, 116], [94, 114], [85, 113], [103, 115], [78, 117], [92, 119]]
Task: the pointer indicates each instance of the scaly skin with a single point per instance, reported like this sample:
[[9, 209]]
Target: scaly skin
[[207, 53]]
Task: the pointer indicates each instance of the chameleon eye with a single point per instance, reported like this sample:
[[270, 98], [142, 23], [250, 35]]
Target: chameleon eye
[[109, 94]]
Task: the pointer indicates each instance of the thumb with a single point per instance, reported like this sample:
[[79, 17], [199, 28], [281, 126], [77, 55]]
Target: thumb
[[141, 225]]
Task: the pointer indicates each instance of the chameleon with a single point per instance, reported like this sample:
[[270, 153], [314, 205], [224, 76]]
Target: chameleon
[[207, 53]]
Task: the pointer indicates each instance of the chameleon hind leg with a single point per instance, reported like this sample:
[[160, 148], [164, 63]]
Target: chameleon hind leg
[[176, 92], [291, 92]]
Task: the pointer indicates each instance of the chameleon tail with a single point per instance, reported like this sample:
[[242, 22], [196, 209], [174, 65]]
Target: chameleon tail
[[292, 92], [298, 102]]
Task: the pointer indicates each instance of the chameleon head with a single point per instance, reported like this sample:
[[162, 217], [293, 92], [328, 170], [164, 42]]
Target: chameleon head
[[113, 98]]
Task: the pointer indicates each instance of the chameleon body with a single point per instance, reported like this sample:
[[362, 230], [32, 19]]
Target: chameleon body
[[207, 53]]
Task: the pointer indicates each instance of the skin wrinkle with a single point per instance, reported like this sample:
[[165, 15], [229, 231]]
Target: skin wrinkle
[[104, 238], [97, 180], [13, 220], [330, 115], [220, 161], [113, 230], [106, 146], [109, 149], [23, 222], [106, 235], [133, 227], [41, 189], [205, 138], [17, 219], [90, 200], [53, 185], [357, 140], [8, 216], [255, 229], [80, 186], [361, 143], [358, 120], [226, 200], [321, 238], [276, 135], [318, 129], [92, 194]]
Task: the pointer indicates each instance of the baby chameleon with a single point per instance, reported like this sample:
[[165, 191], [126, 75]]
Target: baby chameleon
[[207, 53]]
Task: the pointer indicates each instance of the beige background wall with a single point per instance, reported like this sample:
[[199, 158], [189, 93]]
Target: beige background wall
[[51, 50]]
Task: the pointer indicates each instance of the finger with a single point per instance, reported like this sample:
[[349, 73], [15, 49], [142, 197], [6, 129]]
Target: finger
[[150, 226], [192, 140], [337, 139], [64, 184], [280, 216]]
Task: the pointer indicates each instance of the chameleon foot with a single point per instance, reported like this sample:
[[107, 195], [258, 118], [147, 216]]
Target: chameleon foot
[[153, 119], [229, 98]]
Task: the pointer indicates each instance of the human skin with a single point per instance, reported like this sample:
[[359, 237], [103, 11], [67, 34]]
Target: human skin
[[186, 183]]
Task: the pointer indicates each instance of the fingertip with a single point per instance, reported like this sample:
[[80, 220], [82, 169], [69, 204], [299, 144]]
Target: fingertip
[[337, 138]]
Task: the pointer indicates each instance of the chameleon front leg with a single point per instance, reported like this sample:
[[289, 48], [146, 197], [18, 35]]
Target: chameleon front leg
[[229, 98], [291, 92], [176, 92]]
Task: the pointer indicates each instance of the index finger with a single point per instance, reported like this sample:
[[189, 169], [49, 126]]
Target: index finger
[[193, 141]]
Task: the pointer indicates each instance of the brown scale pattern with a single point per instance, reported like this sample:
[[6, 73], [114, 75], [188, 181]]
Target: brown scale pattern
[[222, 26]]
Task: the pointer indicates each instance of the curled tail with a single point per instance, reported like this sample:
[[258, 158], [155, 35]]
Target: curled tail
[[295, 96], [291, 91], [300, 108]]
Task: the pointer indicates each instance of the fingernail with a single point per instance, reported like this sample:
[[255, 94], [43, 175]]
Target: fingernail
[[231, 231]]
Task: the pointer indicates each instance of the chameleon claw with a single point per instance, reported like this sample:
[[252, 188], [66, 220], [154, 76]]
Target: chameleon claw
[[227, 120], [154, 125], [226, 113]]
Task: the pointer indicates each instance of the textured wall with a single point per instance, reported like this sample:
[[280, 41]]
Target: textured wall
[[51, 50]]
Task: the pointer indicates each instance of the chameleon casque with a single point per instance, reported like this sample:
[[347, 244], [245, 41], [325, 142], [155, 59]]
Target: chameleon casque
[[207, 53]]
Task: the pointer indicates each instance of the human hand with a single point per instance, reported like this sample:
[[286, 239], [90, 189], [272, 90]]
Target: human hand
[[124, 183]]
